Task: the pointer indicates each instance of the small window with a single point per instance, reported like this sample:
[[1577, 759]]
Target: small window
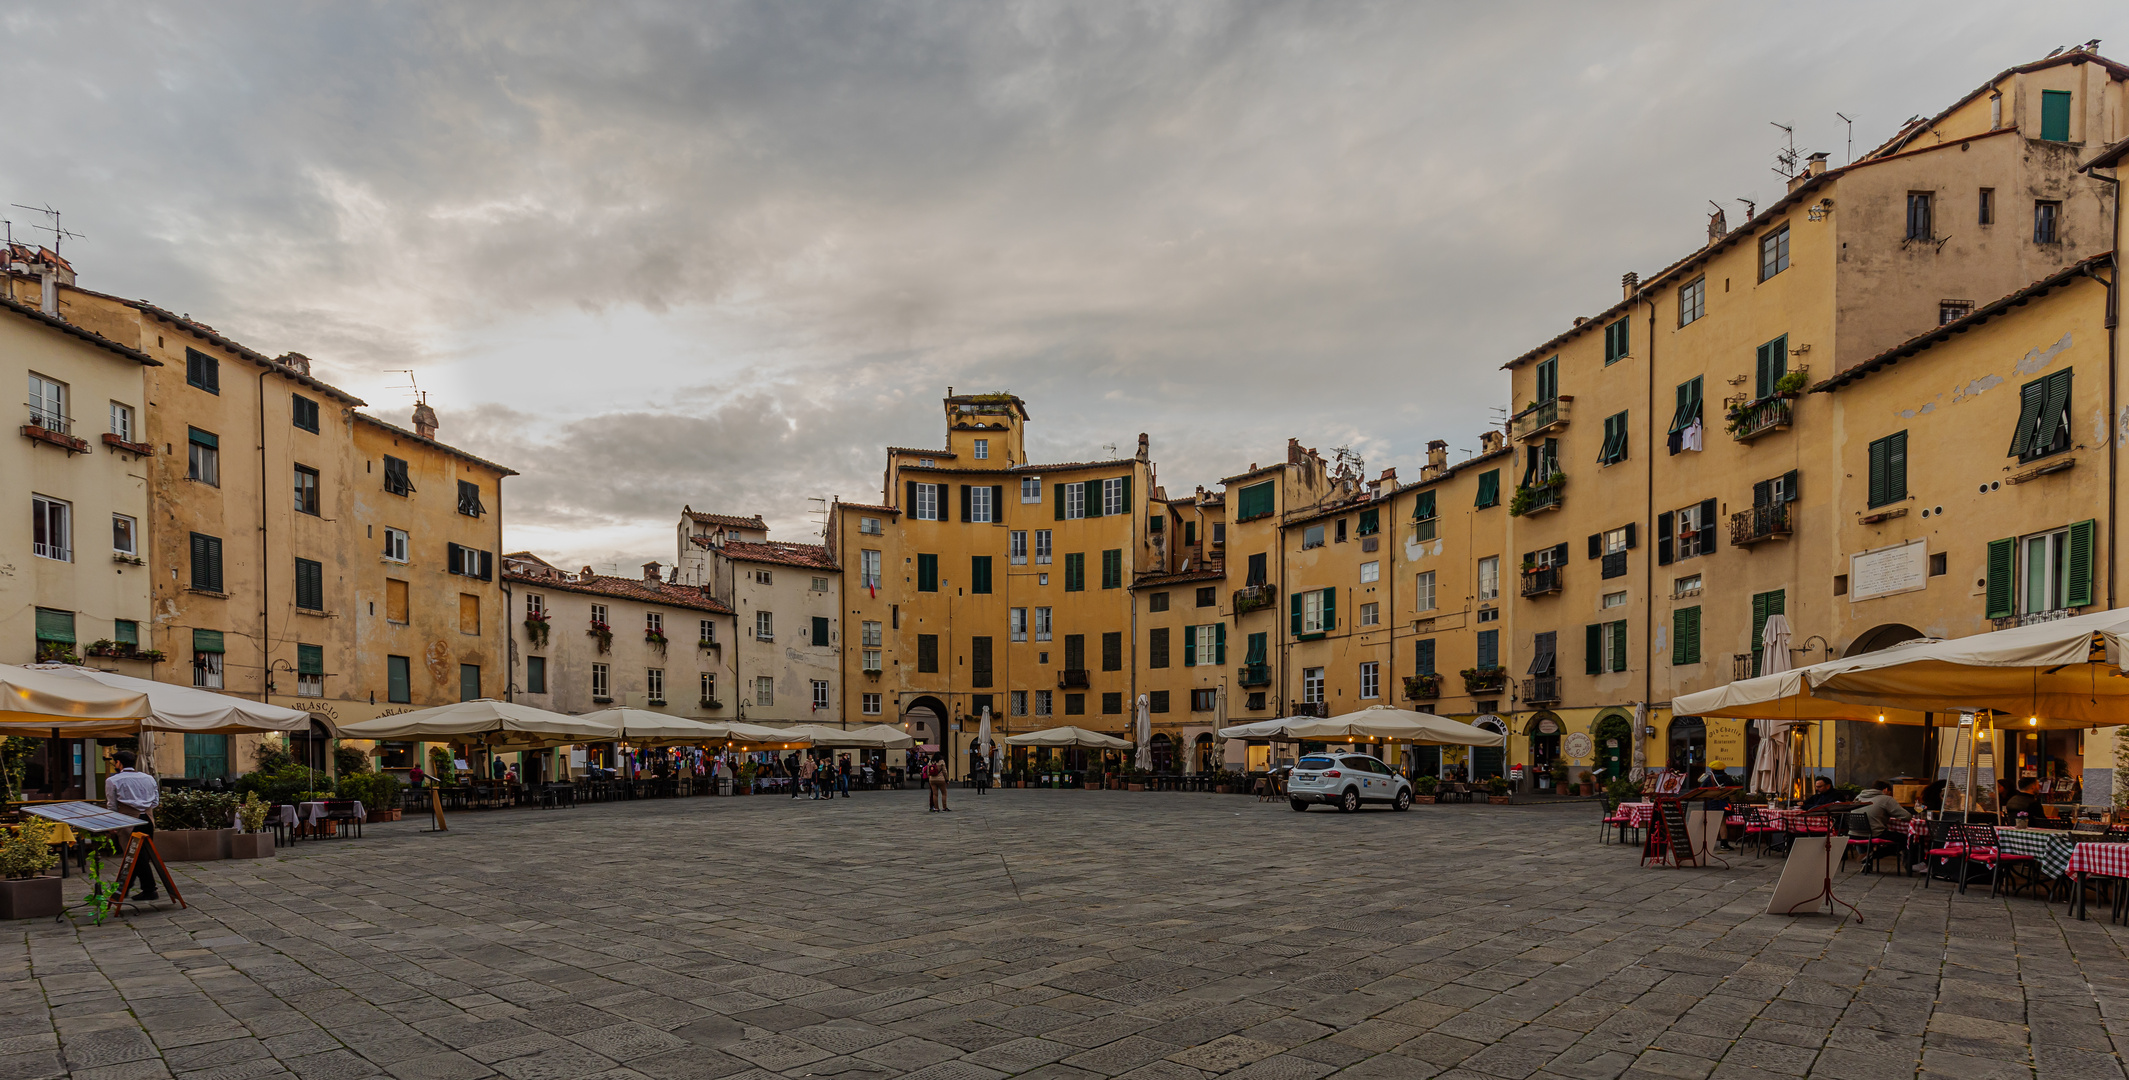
[[306, 490], [1615, 599], [602, 687], [1692, 301], [1986, 214], [706, 629], [1075, 501], [125, 535], [2043, 417], [764, 690], [1614, 450], [979, 504], [1042, 549], [983, 451], [1205, 700], [1208, 596], [1939, 564], [203, 462], [398, 680], [1031, 489], [820, 686], [303, 413], [1371, 679], [1888, 469], [202, 371], [535, 674], [764, 626], [870, 526], [1951, 311], [395, 601], [122, 422], [469, 499], [1371, 614], [927, 502], [1919, 225], [2045, 215], [1075, 704], [2055, 115], [310, 585], [1157, 602], [1312, 537], [395, 544], [1423, 592], [1774, 253], [871, 704], [1615, 342], [1489, 577], [1370, 571], [706, 683], [396, 479]]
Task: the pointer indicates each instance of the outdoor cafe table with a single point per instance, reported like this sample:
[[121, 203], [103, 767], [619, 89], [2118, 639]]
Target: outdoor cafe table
[[2051, 848], [2101, 859]]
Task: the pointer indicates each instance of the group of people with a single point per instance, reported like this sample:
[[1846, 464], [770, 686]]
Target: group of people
[[817, 779]]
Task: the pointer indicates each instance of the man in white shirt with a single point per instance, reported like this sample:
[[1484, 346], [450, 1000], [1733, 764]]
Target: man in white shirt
[[130, 791]]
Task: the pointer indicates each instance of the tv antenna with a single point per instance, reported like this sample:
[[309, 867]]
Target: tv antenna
[[59, 233], [412, 388], [1850, 121], [822, 511], [1785, 159]]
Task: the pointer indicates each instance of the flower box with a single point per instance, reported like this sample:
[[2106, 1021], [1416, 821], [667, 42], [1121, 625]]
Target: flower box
[[31, 898], [1423, 800], [1497, 800]]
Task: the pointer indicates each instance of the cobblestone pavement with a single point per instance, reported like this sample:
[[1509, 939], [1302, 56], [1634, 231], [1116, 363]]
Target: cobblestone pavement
[[1046, 934]]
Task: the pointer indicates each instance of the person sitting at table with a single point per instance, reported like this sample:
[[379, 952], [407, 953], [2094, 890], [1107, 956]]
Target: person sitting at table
[[2021, 801], [1822, 794], [1932, 797], [1880, 808]]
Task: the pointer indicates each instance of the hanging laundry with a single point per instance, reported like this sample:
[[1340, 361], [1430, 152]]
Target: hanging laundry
[[1690, 437]]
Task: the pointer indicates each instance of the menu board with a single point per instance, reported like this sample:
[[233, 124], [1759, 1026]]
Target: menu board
[[1888, 570]]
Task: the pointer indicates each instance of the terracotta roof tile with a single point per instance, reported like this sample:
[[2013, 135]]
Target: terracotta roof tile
[[443, 446], [754, 522], [90, 336], [620, 588], [808, 555], [1145, 581]]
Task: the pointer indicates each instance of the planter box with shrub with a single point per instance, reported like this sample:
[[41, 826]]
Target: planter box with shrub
[[250, 845], [30, 898]]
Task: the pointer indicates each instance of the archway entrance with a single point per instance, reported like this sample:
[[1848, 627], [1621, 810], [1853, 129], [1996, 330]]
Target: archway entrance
[[1865, 752], [924, 717], [1689, 743], [1614, 736], [1489, 761], [1205, 760], [1543, 731]]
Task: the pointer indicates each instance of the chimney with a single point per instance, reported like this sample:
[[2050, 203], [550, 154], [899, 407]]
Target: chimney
[[296, 362], [1489, 441], [1437, 455], [1628, 282], [48, 291], [424, 419], [1815, 165], [1718, 225], [1143, 453], [587, 575], [650, 571]]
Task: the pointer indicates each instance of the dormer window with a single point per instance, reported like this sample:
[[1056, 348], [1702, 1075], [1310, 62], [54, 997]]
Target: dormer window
[[983, 449]]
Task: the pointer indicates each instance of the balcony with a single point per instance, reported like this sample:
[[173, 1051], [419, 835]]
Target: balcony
[[1538, 497], [2034, 618], [1254, 675], [1073, 679], [1752, 419], [1748, 527], [1312, 708], [1540, 418], [1540, 581], [1488, 680], [47, 426], [1741, 666], [1423, 687], [1255, 597], [1544, 688]]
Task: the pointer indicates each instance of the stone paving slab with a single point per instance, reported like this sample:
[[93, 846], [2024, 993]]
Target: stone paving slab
[[1052, 935]]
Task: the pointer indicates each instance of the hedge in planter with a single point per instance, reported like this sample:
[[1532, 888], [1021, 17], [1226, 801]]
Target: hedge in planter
[[24, 857]]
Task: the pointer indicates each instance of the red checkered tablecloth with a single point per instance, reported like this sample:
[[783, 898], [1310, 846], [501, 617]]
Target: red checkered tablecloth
[[1637, 814], [1786, 820], [1916, 827], [2108, 860]]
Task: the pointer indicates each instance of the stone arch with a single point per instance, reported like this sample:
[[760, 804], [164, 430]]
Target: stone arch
[[1884, 635]]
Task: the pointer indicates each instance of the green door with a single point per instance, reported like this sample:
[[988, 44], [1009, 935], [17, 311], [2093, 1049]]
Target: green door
[[206, 756]]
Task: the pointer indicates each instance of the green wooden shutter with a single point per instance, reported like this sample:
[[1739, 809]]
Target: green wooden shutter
[[910, 507], [2002, 584], [1619, 645], [1593, 649], [1685, 636], [979, 574], [125, 632], [998, 504], [1489, 488], [1058, 505], [927, 573], [946, 506], [55, 625], [1370, 522], [310, 660], [968, 509], [2079, 590], [1125, 498], [1423, 657], [207, 641], [1773, 363], [1789, 482], [1090, 497], [2031, 397], [1423, 507], [2052, 411], [1219, 643], [1896, 467], [1259, 647], [2055, 115], [819, 636], [1330, 610], [1295, 600], [1190, 646]]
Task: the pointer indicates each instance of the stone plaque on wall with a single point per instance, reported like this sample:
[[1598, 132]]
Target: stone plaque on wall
[[1897, 569]]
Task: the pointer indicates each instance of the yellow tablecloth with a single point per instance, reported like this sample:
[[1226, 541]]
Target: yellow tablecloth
[[62, 833]]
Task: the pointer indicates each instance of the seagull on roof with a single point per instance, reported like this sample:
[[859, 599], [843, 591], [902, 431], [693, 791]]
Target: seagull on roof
[[2057, 49]]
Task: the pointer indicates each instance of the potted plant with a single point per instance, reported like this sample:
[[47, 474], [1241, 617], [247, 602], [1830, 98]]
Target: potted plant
[[1423, 788], [1559, 777], [655, 639], [25, 891], [747, 771], [1586, 783], [1791, 384], [1497, 791], [604, 634], [251, 841], [536, 628], [194, 826]]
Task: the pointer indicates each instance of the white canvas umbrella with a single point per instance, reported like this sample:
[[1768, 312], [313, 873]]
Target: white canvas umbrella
[[646, 728], [1068, 736], [499, 725], [983, 736], [1144, 732], [41, 699], [869, 737], [2061, 674], [1389, 723]]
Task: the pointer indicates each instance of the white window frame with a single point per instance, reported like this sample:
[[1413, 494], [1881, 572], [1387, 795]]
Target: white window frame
[[1112, 497], [1042, 624], [1044, 700], [979, 505], [1370, 571], [869, 569], [1207, 645], [1688, 523], [1020, 623], [654, 622], [1423, 592], [1489, 578], [869, 704], [1042, 547], [708, 629], [820, 694], [2053, 546], [1370, 679], [1614, 541], [535, 605], [1312, 685], [764, 691], [122, 421], [706, 685], [602, 683], [131, 527], [310, 685], [1312, 537], [1031, 489], [48, 403], [395, 544], [1312, 612], [869, 659], [598, 614], [869, 633], [1692, 301], [56, 518], [654, 684], [927, 508], [1371, 614], [870, 526], [1612, 661], [1612, 600], [983, 449], [1017, 547], [203, 463], [820, 584], [765, 626], [1075, 501]]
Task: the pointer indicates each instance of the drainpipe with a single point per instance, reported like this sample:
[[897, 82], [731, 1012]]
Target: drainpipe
[[265, 572], [2113, 372], [509, 612], [1639, 759]]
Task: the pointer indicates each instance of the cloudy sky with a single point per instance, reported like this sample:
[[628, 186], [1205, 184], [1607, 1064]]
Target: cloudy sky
[[722, 253]]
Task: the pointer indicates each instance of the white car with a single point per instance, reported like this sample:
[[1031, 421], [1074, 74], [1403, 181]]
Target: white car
[[1346, 781]]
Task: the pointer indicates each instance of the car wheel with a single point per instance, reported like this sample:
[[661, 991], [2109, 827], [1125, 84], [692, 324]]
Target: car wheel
[[1403, 800], [1350, 801], [1299, 805]]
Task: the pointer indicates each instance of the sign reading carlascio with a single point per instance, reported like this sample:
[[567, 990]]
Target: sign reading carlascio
[[1888, 570]]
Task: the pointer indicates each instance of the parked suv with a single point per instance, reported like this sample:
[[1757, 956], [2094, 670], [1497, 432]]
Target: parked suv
[[1346, 781]]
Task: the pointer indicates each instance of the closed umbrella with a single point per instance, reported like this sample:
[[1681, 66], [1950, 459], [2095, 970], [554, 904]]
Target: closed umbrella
[[1145, 735], [983, 736]]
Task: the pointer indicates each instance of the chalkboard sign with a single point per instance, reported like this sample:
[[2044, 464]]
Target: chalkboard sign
[[136, 867]]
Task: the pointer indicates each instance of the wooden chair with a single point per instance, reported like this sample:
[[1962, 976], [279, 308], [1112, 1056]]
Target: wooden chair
[[344, 810]]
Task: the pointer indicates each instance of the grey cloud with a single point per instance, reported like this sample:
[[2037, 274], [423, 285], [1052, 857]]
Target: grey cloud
[[659, 252]]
